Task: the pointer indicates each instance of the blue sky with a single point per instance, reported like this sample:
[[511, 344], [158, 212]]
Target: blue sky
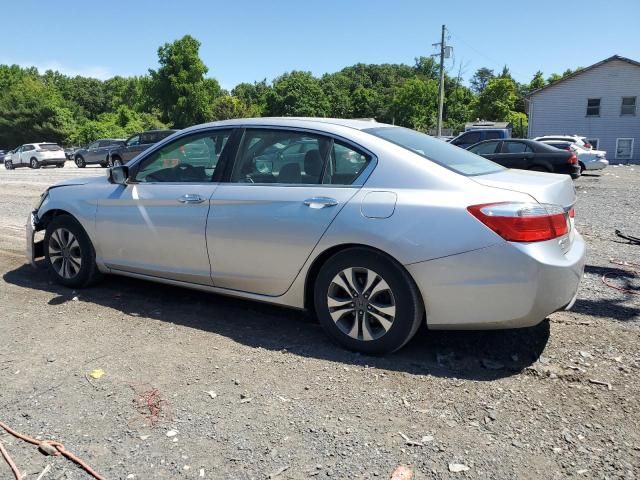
[[250, 40]]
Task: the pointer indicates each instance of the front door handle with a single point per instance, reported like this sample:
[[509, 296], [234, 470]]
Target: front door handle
[[320, 202], [191, 198]]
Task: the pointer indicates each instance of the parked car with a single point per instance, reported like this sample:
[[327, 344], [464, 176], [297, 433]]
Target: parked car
[[588, 159], [419, 226], [36, 155], [97, 152], [577, 139], [528, 155], [136, 144], [471, 137], [2, 154]]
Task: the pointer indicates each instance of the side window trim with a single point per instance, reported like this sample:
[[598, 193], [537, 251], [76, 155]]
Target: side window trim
[[358, 182]]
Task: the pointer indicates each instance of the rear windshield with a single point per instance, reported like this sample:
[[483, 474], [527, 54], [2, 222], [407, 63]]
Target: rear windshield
[[438, 151], [49, 147]]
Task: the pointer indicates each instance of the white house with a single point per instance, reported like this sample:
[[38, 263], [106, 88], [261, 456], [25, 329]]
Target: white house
[[599, 102]]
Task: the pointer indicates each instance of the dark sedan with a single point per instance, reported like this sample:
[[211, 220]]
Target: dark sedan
[[528, 155]]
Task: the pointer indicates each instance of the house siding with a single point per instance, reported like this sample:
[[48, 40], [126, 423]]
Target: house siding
[[562, 108]]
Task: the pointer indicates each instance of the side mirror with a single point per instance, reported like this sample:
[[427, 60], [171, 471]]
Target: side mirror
[[119, 175]]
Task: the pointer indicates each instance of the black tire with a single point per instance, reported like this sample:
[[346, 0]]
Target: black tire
[[405, 298], [80, 163], [582, 167], [8, 165], [33, 163], [117, 162], [59, 165], [88, 272]]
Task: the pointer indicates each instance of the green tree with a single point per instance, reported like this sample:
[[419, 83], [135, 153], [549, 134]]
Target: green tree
[[228, 106], [297, 94], [179, 87], [254, 94], [537, 81], [415, 103], [480, 79], [497, 99]]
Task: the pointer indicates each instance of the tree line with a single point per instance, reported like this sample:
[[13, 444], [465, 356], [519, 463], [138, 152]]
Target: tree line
[[51, 106]]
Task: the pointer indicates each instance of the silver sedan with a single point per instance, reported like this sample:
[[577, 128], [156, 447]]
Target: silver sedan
[[377, 229]]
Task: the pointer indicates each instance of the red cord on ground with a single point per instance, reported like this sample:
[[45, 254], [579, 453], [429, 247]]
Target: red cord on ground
[[56, 448]]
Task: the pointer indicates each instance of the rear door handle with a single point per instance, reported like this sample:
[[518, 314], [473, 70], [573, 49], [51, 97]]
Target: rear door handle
[[191, 198], [320, 202]]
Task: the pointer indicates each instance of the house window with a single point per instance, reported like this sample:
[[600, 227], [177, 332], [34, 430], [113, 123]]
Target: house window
[[628, 106], [594, 142], [593, 107], [624, 148]]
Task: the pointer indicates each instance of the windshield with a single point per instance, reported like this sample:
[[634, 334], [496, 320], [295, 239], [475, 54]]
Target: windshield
[[442, 153]]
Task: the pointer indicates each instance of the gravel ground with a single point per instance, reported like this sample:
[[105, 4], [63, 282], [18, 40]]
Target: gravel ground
[[234, 389]]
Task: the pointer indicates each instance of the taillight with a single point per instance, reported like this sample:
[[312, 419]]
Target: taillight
[[573, 160], [572, 213], [522, 222]]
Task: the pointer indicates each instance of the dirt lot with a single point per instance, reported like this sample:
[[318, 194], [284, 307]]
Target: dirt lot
[[252, 391]]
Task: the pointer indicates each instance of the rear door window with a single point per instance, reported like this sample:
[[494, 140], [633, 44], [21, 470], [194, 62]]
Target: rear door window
[[491, 134], [485, 148], [515, 147]]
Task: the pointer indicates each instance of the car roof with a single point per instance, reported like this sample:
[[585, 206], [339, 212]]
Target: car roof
[[308, 122]]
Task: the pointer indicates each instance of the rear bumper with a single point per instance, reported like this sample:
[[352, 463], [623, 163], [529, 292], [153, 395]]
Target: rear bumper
[[597, 164], [52, 161], [506, 285]]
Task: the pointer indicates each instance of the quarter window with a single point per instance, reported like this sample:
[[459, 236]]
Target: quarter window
[[191, 159], [345, 165], [628, 106], [593, 107]]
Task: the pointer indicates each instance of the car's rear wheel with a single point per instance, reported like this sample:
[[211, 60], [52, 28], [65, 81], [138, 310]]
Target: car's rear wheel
[[80, 163], [582, 167], [34, 163], [69, 254], [59, 165], [117, 162], [367, 302], [8, 165]]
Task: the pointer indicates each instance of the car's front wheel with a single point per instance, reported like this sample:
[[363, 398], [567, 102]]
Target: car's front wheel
[[80, 163], [367, 301], [34, 163], [69, 254], [8, 165]]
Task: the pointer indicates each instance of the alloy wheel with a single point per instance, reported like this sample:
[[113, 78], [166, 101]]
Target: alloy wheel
[[361, 303], [64, 253]]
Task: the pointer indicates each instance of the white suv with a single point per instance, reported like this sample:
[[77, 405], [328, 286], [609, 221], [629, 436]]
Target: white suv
[[36, 155]]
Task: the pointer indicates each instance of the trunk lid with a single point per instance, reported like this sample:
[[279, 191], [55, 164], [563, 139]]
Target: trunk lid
[[543, 187]]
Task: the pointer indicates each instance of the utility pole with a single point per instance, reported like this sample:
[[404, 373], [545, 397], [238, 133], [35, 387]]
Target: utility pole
[[441, 92]]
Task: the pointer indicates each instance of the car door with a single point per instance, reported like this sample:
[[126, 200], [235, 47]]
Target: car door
[[515, 154], [91, 153], [16, 157], [265, 221], [132, 148], [155, 225]]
